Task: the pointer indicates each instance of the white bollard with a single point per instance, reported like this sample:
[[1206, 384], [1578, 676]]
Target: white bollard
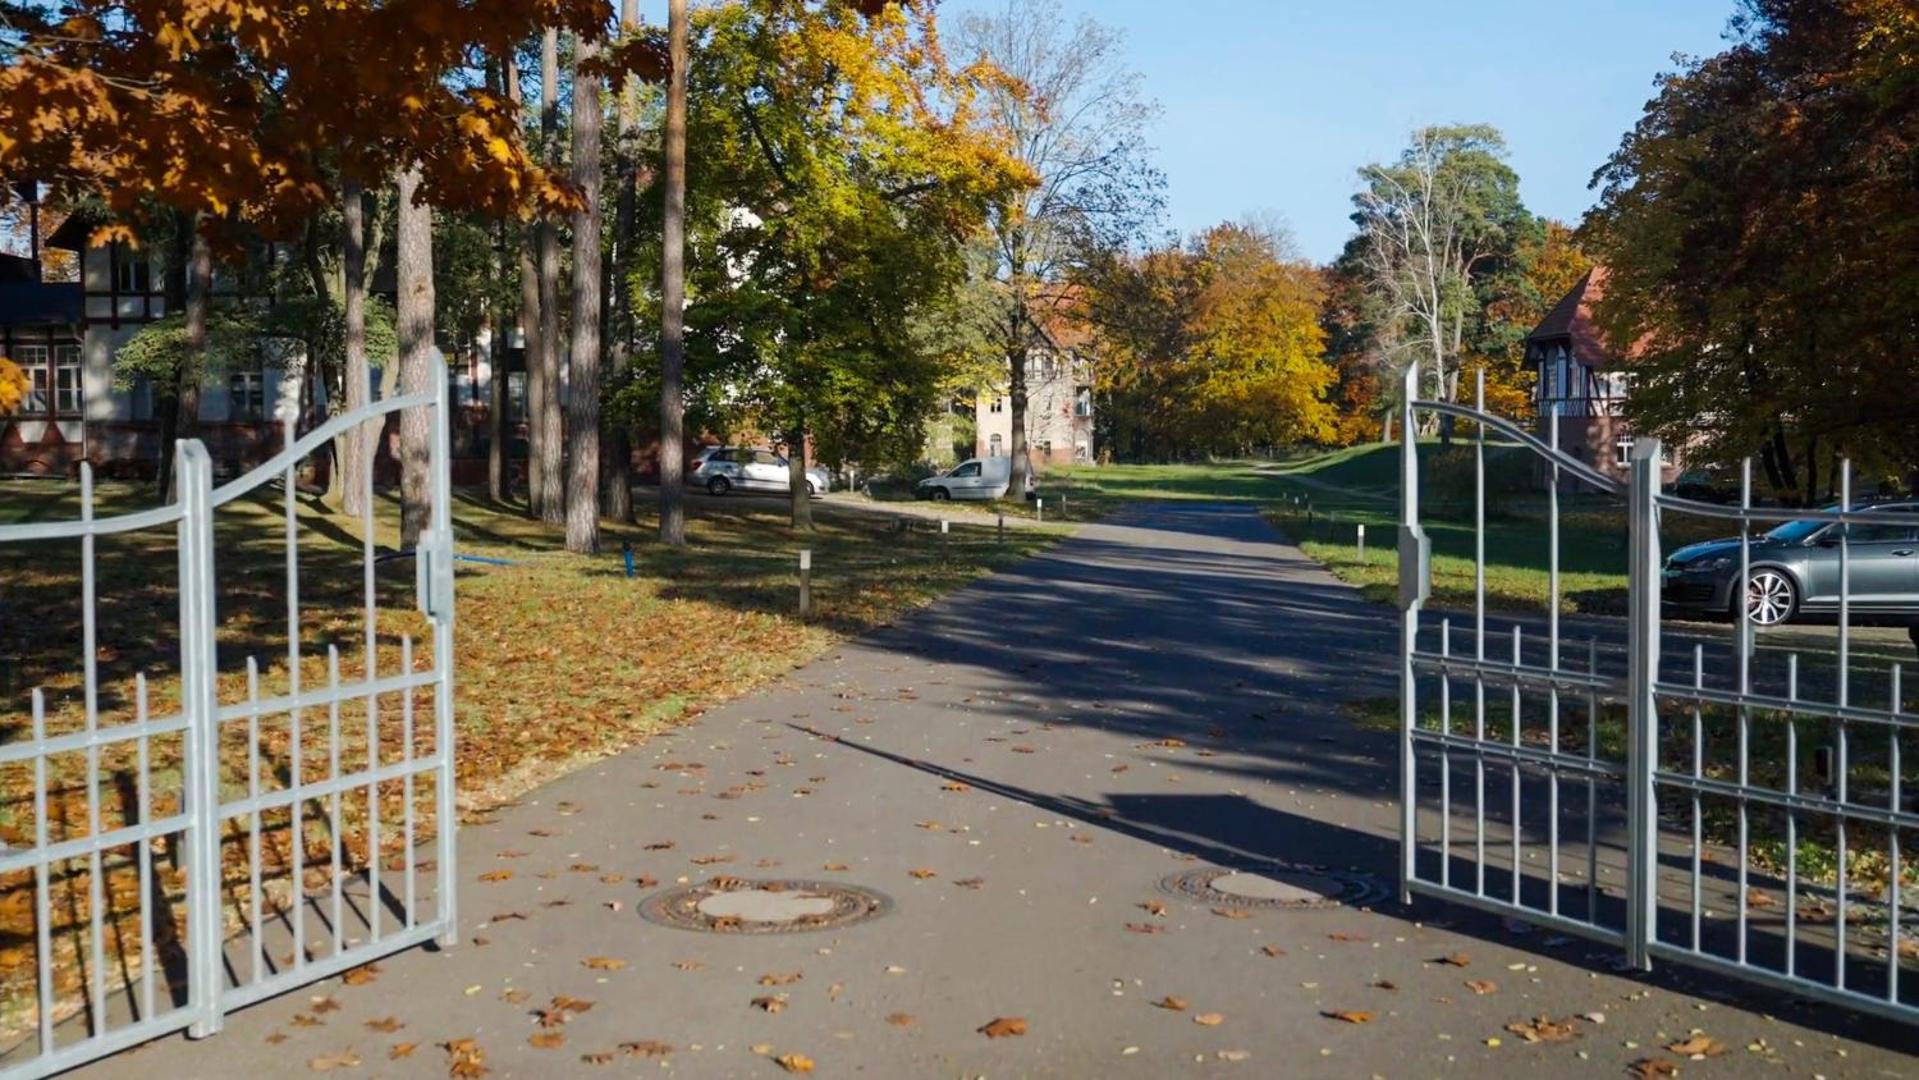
[[806, 582], [1039, 509], [1362, 543]]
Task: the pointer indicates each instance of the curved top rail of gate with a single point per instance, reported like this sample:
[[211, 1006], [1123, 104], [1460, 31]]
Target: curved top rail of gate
[[88, 525], [1584, 472]]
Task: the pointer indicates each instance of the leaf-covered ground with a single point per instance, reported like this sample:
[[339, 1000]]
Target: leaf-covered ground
[[560, 659]]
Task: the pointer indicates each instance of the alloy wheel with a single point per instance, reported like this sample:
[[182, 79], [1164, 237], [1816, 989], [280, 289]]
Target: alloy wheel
[[1769, 598]]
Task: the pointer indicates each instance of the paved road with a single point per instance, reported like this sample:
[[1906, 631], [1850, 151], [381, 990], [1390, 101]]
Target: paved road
[[1159, 695]]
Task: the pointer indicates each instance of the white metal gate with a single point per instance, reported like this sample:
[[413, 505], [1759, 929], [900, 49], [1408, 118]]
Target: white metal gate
[[1646, 785], [246, 854]]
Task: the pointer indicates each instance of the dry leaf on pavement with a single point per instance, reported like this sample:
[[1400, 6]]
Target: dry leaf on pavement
[[603, 963], [1003, 1027], [1209, 1019], [1482, 987], [1350, 1016], [1652, 1068], [771, 1003], [345, 1059], [794, 1063], [1699, 1045], [1543, 1029]]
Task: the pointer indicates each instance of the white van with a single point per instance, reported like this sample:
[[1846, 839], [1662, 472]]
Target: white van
[[974, 478]]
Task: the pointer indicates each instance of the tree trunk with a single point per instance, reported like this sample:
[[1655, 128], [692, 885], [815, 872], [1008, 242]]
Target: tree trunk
[[583, 401], [673, 289], [1016, 407], [193, 366], [167, 407], [549, 449], [415, 332], [497, 485], [800, 499], [616, 447], [355, 450], [531, 373]]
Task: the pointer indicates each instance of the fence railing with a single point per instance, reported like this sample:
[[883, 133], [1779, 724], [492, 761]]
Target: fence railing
[[223, 825], [1678, 792]]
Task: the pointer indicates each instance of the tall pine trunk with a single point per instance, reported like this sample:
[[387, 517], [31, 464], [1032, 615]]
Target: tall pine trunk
[[529, 327], [616, 447], [673, 289], [356, 447], [415, 333], [550, 448], [497, 487], [583, 399]]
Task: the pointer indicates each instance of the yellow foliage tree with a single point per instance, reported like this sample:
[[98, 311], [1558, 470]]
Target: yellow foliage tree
[[13, 386]]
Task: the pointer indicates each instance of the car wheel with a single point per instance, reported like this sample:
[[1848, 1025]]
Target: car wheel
[[812, 489], [940, 494], [1771, 598], [719, 485]]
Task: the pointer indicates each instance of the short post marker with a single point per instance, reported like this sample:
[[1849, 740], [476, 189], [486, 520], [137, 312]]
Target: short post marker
[[1362, 543], [1039, 509], [1002, 526], [626, 552], [806, 582]]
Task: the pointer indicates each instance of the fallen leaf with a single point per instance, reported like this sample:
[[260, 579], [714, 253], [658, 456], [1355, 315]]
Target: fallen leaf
[[362, 975], [1543, 1029], [465, 1059], [973, 883], [401, 1050], [598, 1057], [516, 997], [1003, 1027], [345, 1059], [1482, 987], [1272, 950], [772, 1003], [386, 1026], [955, 785], [496, 875], [1653, 1068], [603, 963], [1145, 928], [1458, 959], [1171, 1002], [1385, 984], [1154, 907], [1700, 1045], [923, 873], [773, 979], [900, 1019], [646, 1048], [836, 867], [323, 1005], [1350, 1016], [546, 1040], [794, 1063], [688, 965], [1209, 1019]]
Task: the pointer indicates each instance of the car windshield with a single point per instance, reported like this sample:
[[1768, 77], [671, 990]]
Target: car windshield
[[1793, 532]]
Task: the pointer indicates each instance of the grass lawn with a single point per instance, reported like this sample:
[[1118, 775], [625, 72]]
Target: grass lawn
[[561, 658]]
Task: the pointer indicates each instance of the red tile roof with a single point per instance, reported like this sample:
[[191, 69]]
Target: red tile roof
[[1570, 322]]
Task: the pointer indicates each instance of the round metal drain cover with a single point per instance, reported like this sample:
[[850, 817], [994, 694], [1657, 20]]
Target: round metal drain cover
[[730, 905], [1282, 886]]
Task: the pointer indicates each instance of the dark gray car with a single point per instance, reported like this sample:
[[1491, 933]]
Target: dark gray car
[[1795, 569]]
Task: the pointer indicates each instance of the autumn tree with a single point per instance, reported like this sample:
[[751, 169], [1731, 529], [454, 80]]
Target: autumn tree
[[1431, 225], [1758, 228], [583, 363], [1211, 347], [673, 284], [1072, 111], [836, 168]]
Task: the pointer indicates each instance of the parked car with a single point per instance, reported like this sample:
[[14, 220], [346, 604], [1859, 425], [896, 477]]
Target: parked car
[[720, 469], [974, 478], [1795, 569]]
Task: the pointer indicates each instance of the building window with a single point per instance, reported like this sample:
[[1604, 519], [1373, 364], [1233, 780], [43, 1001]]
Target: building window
[[1083, 401], [993, 446], [1622, 451], [998, 405], [33, 360], [246, 395], [68, 389], [131, 273]]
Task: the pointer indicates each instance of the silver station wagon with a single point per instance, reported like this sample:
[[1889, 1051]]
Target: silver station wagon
[[1795, 569]]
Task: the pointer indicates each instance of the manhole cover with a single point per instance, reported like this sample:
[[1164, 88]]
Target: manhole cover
[[729, 905], [1276, 885]]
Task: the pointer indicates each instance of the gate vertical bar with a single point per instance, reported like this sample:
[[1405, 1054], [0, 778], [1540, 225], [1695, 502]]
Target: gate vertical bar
[[440, 594], [194, 469], [1409, 631], [1642, 639]]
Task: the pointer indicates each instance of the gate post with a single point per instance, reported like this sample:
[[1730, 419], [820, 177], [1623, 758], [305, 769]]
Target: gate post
[[1413, 587], [440, 611], [193, 470], [1642, 718]]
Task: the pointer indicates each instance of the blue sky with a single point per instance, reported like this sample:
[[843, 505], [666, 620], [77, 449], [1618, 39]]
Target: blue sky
[[1270, 105]]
